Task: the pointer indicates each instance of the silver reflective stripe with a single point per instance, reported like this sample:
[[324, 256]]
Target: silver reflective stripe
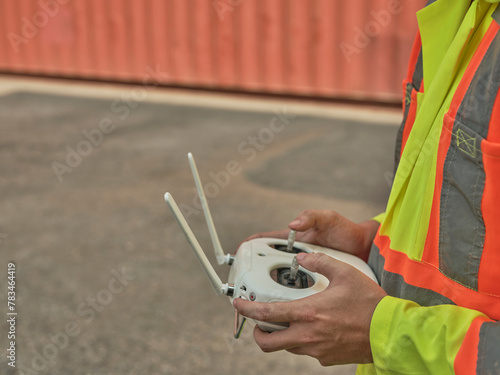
[[395, 285], [488, 361], [496, 14], [462, 229], [399, 137], [418, 74], [477, 105]]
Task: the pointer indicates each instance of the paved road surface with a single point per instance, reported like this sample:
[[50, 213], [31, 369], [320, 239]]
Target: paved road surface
[[106, 282]]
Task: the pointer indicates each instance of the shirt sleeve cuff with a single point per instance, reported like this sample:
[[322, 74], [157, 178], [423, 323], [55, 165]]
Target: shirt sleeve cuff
[[381, 327], [379, 218]]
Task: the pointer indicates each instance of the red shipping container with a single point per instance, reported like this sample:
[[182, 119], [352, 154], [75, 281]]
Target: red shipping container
[[356, 49]]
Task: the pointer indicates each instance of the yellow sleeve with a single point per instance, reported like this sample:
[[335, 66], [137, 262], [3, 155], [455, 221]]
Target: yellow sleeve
[[407, 338]]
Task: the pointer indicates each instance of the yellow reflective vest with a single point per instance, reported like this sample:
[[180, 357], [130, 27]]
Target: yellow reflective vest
[[437, 251]]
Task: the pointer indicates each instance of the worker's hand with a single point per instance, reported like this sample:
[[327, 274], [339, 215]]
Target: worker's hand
[[332, 326], [327, 228]]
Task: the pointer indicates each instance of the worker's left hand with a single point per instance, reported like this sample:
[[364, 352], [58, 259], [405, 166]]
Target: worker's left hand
[[332, 326]]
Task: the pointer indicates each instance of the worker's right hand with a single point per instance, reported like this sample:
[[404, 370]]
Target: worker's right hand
[[327, 228]]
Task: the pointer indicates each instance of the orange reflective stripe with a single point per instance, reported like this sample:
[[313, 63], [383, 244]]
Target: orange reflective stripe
[[431, 249], [431, 253], [411, 86], [491, 202], [427, 276], [466, 359], [471, 69], [490, 260], [494, 128]]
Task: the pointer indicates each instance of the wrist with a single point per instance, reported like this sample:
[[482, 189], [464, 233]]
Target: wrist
[[368, 231]]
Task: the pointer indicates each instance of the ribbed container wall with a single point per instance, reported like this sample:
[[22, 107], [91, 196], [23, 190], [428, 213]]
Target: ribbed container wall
[[355, 49]]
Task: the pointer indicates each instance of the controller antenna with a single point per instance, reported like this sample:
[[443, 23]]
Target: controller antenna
[[219, 253], [215, 280]]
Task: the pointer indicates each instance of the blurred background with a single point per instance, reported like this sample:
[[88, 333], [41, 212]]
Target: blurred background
[[285, 104]]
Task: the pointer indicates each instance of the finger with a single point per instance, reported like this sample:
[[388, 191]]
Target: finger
[[268, 312], [305, 221], [298, 350], [277, 340], [320, 263]]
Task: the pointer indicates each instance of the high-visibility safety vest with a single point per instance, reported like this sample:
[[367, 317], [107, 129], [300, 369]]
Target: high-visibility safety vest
[[437, 250]]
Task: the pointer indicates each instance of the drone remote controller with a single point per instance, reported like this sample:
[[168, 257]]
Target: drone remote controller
[[263, 269]]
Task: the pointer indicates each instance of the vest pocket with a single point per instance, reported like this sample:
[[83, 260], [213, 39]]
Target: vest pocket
[[462, 229]]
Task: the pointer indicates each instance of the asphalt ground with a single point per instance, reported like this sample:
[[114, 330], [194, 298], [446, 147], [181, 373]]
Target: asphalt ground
[[106, 283]]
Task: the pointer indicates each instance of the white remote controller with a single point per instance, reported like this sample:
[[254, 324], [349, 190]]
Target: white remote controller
[[261, 268]]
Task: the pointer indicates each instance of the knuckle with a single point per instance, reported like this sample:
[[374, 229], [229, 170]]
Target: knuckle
[[307, 212], [309, 314], [308, 340], [319, 260], [310, 216], [261, 340], [265, 348], [323, 362], [263, 313], [321, 356]]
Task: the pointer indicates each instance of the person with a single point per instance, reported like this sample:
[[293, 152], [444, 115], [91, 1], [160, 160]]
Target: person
[[436, 249]]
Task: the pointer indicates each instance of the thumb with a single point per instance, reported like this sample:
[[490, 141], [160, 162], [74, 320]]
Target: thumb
[[320, 263], [304, 221]]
